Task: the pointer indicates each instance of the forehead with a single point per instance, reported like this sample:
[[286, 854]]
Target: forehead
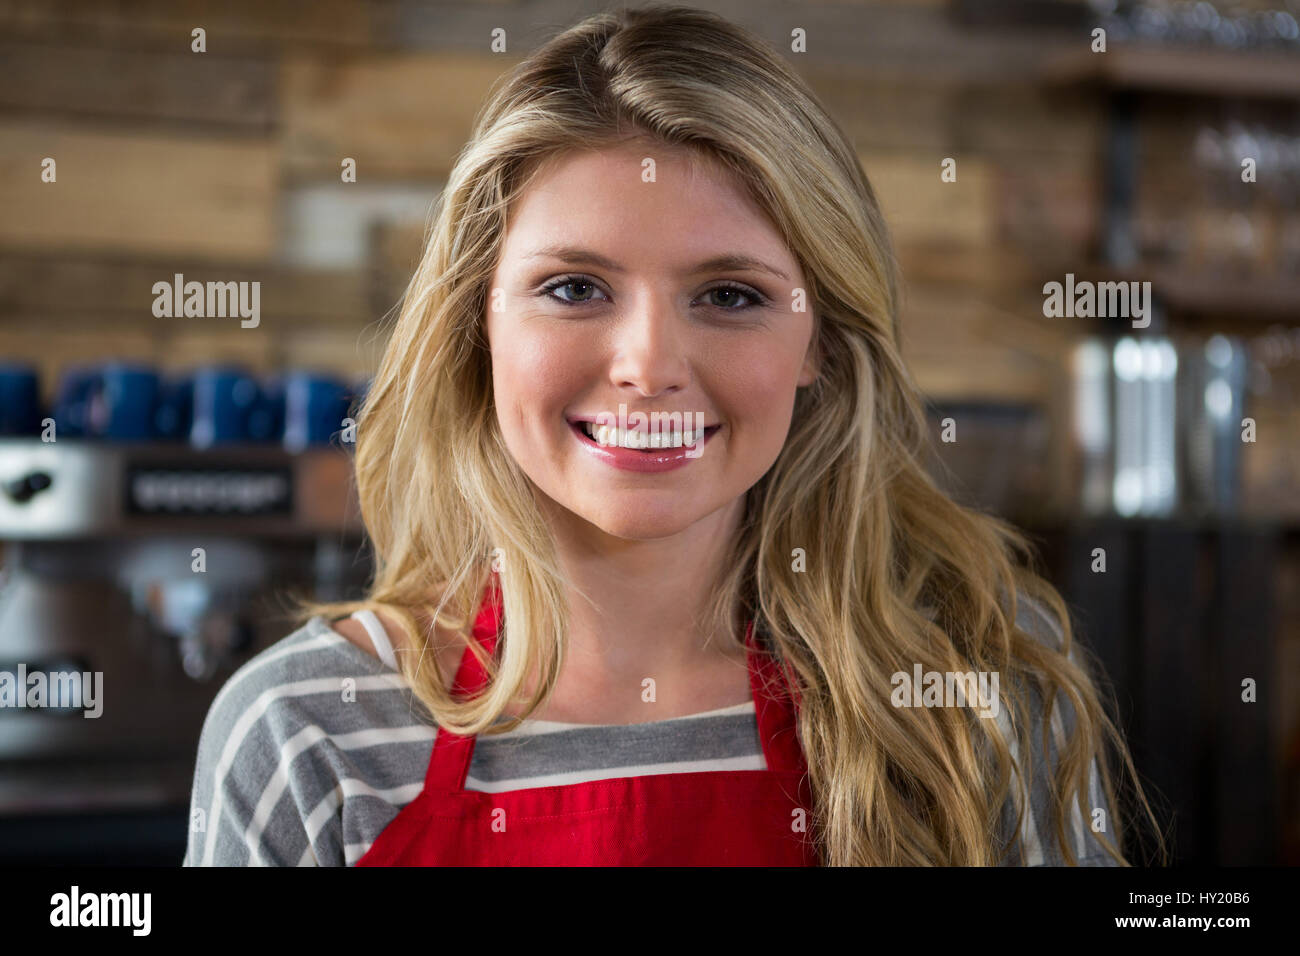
[[643, 201]]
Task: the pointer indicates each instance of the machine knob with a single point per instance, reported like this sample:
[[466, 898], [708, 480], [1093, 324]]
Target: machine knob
[[22, 490]]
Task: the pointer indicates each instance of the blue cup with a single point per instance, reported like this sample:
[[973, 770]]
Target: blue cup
[[174, 416], [72, 400], [20, 400], [314, 408], [129, 396], [224, 396], [266, 419]]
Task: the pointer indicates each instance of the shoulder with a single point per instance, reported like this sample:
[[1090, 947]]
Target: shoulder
[[271, 731], [310, 665], [445, 647]]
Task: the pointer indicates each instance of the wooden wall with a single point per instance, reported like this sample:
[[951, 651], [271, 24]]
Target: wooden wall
[[173, 161]]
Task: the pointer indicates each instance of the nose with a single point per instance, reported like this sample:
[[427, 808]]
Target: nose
[[651, 354]]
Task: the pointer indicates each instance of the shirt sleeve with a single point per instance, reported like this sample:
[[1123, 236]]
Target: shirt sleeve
[[1035, 843], [251, 803]]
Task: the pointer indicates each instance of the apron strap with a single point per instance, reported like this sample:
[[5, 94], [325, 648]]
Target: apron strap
[[776, 706], [449, 762]]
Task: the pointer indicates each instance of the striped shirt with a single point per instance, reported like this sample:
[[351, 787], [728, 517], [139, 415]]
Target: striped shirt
[[313, 747]]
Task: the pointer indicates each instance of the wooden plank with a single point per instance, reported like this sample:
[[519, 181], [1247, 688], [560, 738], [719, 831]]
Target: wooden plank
[[919, 206], [951, 359], [398, 115], [68, 80], [1189, 71], [999, 459], [1269, 467], [328, 224], [398, 246], [68, 290], [1072, 15], [397, 250], [232, 26], [988, 266], [137, 193], [1048, 209], [912, 39], [879, 112], [1186, 290], [349, 354], [179, 349], [1265, 299], [999, 379], [1029, 123], [951, 318]]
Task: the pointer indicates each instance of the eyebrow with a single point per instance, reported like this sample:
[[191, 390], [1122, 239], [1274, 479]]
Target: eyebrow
[[724, 263]]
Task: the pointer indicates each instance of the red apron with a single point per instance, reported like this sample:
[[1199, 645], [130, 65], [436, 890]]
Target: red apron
[[705, 818]]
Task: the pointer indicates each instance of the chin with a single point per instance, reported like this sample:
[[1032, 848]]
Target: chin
[[646, 524]]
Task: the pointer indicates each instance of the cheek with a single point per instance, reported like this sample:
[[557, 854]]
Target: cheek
[[532, 374], [760, 378]]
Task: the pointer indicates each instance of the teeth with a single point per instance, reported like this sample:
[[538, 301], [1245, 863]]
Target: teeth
[[608, 435]]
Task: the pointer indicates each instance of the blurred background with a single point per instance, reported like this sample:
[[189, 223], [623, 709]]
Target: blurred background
[[1120, 450]]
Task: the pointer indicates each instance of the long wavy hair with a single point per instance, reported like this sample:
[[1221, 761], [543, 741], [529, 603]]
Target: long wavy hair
[[895, 572]]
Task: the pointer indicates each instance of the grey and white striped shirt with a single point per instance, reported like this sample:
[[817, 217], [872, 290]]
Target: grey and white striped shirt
[[313, 747]]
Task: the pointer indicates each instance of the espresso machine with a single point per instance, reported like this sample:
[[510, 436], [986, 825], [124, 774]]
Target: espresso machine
[[160, 567]]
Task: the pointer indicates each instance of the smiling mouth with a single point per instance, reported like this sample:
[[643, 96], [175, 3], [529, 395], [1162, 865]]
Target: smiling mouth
[[606, 436]]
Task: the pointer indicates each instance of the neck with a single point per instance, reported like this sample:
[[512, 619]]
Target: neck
[[646, 614]]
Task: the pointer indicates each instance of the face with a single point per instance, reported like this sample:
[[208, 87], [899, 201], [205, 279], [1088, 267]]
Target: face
[[605, 295]]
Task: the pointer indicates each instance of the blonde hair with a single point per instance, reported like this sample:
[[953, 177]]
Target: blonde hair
[[896, 572]]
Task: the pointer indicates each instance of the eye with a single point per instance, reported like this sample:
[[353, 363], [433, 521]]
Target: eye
[[583, 290], [564, 282], [730, 290]]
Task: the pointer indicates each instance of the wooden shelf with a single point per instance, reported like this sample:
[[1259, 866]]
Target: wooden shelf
[[1285, 525], [1185, 291], [1205, 294], [1187, 71]]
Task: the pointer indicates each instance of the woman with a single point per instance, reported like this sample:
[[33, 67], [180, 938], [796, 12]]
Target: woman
[[656, 554]]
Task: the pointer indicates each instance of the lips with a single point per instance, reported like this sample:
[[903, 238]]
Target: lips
[[643, 461]]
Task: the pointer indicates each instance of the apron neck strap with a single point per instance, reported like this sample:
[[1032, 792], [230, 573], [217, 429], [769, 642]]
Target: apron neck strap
[[776, 705], [449, 763]]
